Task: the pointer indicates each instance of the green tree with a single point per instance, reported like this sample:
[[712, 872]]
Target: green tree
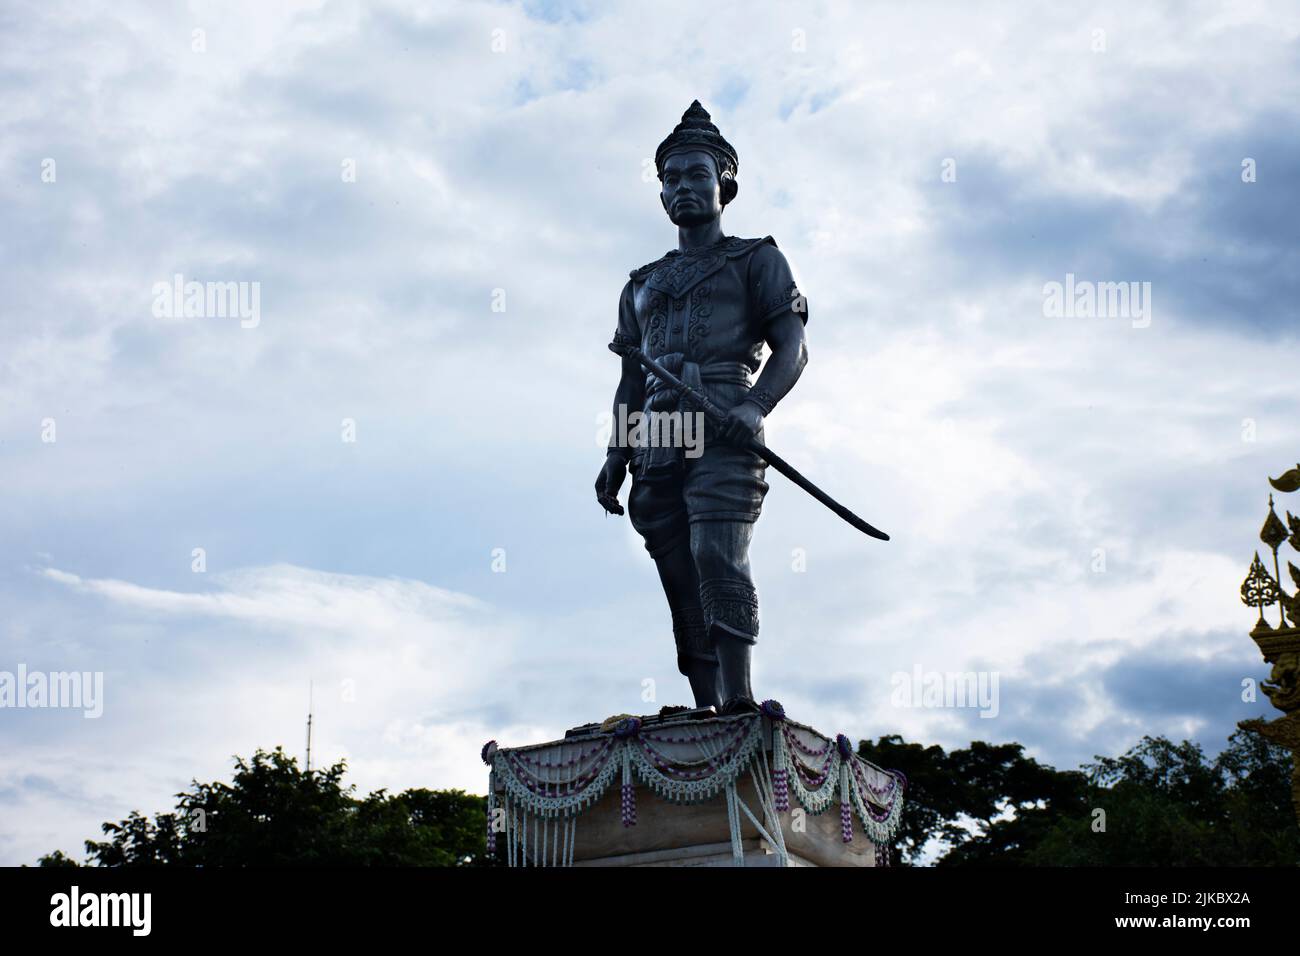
[[1166, 804], [274, 814], [1159, 804], [57, 858], [951, 796]]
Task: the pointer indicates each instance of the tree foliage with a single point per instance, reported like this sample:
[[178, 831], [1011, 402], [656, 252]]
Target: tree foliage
[[274, 814], [1159, 804]]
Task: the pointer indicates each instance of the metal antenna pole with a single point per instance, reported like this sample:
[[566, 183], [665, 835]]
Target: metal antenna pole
[[309, 707]]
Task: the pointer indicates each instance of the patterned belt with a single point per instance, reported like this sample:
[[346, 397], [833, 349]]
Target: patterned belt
[[664, 460], [660, 396]]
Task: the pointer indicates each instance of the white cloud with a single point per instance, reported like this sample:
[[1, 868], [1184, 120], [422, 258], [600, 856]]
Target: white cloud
[[226, 670]]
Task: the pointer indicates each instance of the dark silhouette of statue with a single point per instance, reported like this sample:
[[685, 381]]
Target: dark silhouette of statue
[[704, 311]]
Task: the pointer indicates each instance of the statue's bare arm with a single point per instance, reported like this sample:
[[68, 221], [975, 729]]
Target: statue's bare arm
[[789, 344], [629, 394]]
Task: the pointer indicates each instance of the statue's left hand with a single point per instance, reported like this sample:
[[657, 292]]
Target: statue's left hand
[[610, 480], [742, 423]]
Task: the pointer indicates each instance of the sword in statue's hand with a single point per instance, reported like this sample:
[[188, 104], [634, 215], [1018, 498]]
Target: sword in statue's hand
[[718, 416]]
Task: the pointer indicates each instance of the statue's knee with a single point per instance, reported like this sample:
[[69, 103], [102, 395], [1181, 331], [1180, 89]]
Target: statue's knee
[[709, 554], [661, 525], [721, 548]]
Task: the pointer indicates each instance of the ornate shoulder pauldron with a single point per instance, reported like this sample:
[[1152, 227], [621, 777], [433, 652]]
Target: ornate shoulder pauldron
[[677, 272]]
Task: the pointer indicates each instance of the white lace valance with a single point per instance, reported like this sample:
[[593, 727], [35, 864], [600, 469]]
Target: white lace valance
[[548, 786]]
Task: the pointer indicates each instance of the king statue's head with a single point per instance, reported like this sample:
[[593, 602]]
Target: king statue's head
[[697, 170]]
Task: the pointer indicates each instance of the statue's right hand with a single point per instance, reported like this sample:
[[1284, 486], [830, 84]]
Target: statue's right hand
[[609, 481]]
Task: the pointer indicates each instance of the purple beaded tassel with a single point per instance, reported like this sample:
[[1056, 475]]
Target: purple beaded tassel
[[845, 747], [780, 774], [624, 731], [488, 755], [628, 808], [846, 812], [491, 814]]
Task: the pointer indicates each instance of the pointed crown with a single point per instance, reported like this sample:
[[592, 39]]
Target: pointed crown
[[696, 131]]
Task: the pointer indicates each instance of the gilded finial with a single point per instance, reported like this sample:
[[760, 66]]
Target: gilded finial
[[1259, 589], [1274, 531]]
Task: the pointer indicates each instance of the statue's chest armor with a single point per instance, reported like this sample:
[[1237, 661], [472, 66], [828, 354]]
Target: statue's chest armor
[[697, 305]]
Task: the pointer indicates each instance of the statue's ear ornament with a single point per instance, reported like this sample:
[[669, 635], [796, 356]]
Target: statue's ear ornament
[[729, 188]]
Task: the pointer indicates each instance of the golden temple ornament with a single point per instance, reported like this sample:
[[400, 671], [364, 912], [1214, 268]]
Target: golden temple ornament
[[1280, 646]]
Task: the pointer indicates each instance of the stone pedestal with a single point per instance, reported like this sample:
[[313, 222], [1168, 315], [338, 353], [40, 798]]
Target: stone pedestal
[[692, 790], [669, 834]]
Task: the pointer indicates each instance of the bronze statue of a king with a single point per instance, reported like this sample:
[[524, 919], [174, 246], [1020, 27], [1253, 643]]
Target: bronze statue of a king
[[704, 311]]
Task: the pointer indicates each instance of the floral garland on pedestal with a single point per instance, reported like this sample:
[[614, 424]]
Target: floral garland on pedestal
[[547, 787], [817, 769]]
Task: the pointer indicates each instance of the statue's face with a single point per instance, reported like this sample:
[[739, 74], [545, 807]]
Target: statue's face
[[691, 192]]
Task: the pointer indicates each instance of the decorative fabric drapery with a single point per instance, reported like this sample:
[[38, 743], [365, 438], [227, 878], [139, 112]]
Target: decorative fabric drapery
[[537, 794]]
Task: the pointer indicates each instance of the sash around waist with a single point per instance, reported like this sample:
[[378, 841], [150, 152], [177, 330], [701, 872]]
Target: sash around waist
[[695, 374]]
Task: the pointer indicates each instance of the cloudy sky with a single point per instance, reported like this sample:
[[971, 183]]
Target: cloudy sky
[[1074, 500]]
